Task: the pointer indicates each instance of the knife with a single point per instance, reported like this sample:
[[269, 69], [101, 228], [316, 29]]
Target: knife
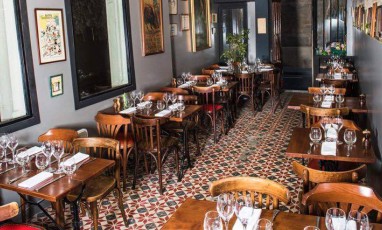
[[56, 179]]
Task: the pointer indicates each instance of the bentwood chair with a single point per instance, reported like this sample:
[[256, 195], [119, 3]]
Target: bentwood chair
[[147, 135], [347, 124], [9, 211], [208, 71], [172, 90], [317, 90], [153, 96], [335, 83], [271, 84], [206, 97], [246, 88], [200, 78], [100, 187], [262, 188], [312, 114], [345, 196], [117, 127], [65, 135]]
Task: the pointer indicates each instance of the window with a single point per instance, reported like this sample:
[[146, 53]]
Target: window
[[18, 101], [100, 48]]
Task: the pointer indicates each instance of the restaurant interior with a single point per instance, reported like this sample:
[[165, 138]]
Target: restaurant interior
[[190, 114]]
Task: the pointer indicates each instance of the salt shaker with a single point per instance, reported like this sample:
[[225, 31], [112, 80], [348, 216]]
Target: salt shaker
[[362, 99], [366, 139]]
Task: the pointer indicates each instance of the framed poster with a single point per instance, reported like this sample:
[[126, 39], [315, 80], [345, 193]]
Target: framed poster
[[200, 25], [56, 85], [152, 27], [173, 29], [185, 22], [173, 7], [214, 18], [50, 35]]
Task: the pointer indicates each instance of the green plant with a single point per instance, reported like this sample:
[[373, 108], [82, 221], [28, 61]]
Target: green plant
[[238, 44]]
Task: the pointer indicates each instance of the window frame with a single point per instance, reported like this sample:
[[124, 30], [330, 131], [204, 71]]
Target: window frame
[[31, 102], [115, 91]]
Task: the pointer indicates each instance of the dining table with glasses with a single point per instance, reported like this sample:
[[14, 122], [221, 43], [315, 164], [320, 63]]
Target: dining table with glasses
[[192, 214], [350, 77], [34, 180]]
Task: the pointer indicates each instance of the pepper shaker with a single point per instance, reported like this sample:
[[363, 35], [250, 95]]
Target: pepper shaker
[[366, 139]]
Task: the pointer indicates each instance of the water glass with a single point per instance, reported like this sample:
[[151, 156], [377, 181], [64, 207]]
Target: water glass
[[22, 159], [225, 207], [316, 98], [173, 98], [160, 105], [340, 98], [69, 167], [350, 137], [263, 224], [315, 135], [12, 144], [3, 145], [58, 152], [41, 161], [311, 228], [181, 106], [357, 220], [335, 219], [148, 106], [48, 150], [210, 81], [244, 209], [212, 221], [133, 96], [140, 95]]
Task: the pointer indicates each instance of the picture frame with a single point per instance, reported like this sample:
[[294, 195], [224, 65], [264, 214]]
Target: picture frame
[[56, 85], [50, 35], [200, 25], [173, 7], [214, 18], [185, 22], [152, 27], [378, 26], [173, 29]]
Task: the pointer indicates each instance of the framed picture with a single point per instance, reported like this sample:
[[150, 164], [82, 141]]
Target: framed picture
[[185, 22], [378, 26], [200, 25], [152, 27], [56, 85], [214, 18], [173, 29], [50, 35], [173, 5]]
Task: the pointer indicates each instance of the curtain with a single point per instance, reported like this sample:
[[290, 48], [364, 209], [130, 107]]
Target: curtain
[[276, 31]]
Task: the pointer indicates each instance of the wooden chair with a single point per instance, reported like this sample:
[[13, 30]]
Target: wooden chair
[[10, 210], [335, 83], [312, 114], [147, 135], [153, 96], [117, 127], [246, 88], [347, 124], [208, 71], [345, 196], [254, 186], [317, 90], [99, 188], [270, 84], [172, 90], [200, 78], [65, 135], [206, 97]]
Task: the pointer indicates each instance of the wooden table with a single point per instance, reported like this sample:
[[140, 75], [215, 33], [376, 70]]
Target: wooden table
[[299, 147], [231, 85], [321, 76], [307, 99], [56, 191], [190, 215]]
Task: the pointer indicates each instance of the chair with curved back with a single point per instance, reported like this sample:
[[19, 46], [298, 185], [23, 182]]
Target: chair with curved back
[[117, 127], [313, 114], [10, 210], [271, 84], [273, 192], [208, 71], [65, 135], [153, 96], [345, 196], [200, 78], [335, 83], [100, 187], [317, 90], [246, 88], [347, 124], [173, 90]]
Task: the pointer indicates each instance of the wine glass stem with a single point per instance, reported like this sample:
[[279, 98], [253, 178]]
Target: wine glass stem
[[226, 224], [23, 169]]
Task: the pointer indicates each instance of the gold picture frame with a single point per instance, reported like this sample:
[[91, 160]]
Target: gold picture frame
[[152, 27], [201, 22]]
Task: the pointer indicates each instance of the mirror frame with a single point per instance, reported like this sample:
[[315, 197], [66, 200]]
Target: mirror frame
[[31, 103], [104, 95]]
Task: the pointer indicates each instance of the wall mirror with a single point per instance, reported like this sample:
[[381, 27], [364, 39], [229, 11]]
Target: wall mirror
[[18, 99], [100, 49]]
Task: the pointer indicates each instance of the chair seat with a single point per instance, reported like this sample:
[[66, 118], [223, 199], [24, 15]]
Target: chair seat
[[13, 226], [209, 108], [166, 142], [125, 143], [179, 127], [96, 188]]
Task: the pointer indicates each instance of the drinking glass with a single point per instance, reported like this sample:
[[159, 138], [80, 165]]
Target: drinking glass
[[338, 121], [58, 152], [133, 96], [160, 105], [212, 221], [12, 144], [316, 98], [350, 137], [210, 81], [225, 207], [22, 159], [189, 76], [184, 76], [323, 89], [181, 107], [325, 122], [179, 81], [41, 161], [166, 98], [315, 135], [243, 209], [331, 89], [69, 167], [335, 219], [148, 106], [357, 220], [48, 150], [263, 224], [340, 99], [311, 228], [140, 95], [173, 98], [3, 145]]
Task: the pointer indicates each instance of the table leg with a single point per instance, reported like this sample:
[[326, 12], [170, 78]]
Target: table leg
[[75, 209], [186, 147], [59, 208]]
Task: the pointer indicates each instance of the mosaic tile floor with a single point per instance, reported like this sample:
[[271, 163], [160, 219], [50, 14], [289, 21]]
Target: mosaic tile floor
[[254, 147]]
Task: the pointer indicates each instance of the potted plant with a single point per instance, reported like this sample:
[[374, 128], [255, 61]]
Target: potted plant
[[237, 51]]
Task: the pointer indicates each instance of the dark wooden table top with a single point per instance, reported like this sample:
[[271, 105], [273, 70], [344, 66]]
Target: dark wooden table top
[[299, 145], [59, 188], [322, 76], [189, 111], [230, 85], [307, 99], [190, 215]]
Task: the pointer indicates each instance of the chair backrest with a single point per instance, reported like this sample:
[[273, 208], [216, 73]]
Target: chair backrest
[[335, 83], [273, 192], [345, 196], [347, 124], [275, 79], [208, 71], [65, 135], [312, 114], [317, 90], [206, 95], [146, 133], [173, 90], [312, 177], [246, 83], [153, 96], [200, 78], [188, 99], [111, 125]]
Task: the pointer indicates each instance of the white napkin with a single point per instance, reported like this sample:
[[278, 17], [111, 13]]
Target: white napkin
[[331, 131], [337, 76], [340, 223], [223, 67], [251, 222], [329, 98], [221, 70], [36, 179], [142, 104], [76, 159], [351, 225], [32, 151], [265, 70], [328, 148], [185, 85], [244, 71], [163, 113], [129, 110], [326, 104]]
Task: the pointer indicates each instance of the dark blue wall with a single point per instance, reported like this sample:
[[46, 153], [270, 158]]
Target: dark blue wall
[[262, 40]]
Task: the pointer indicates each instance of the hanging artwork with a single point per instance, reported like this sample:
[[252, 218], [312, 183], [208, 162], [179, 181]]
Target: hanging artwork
[[173, 7], [50, 35], [56, 85], [200, 24], [152, 27]]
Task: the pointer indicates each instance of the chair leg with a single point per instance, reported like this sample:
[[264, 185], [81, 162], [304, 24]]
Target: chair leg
[[94, 211], [176, 152], [124, 166], [196, 138], [135, 168], [23, 210], [214, 129], [120, 205], [252, 101], [159, 166], [262, 97]]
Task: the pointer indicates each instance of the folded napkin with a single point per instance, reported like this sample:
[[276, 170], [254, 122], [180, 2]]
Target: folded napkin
[[129, 110], [36, 179], [142, 103], [221, 70], [351, 225], [337, 76], [32, 151], [329, 98], [331, 131], [244, 71], [328, 148], [223, 67], [163, 113], [185, 85], [326, 104], [340, 223], [76, 159], [264, 70], [251, 222]]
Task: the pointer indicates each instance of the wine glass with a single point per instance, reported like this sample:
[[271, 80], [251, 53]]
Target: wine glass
[[140, 95], [188, 76], [212, 221], [225, 207], [325, 122], [22, 159], [331, 89], [315, 135], [133, 96], [340, 99], [69, 167], [350, 137], [173, 98], [323, 89], [3, 145], [316, 98], [339, 123], [48, 150], [335, 219], [184, 76], [58, 152], [148, 106], [160, 105], [357, 220], [12, 144], [41, 161], [243, 209], [263, 224], [311, 228], [181, 107], [179, 81], [166, 98], [210, 81]]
